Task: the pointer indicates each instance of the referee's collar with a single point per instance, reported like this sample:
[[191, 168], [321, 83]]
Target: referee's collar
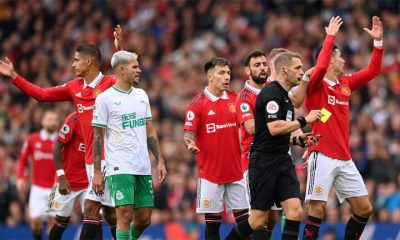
[[214, 98], [251, 88]]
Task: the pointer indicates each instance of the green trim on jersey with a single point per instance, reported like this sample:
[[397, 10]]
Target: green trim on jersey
[[99, 125], [122, 91]]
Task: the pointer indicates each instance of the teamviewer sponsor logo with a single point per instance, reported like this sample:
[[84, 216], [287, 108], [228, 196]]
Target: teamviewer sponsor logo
[[82, 108], [331, 100], [210, 127]]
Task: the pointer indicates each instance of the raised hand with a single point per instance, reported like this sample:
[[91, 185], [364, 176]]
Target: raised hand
[[7, 68], [377, 29], [118, 37], [334, 25]]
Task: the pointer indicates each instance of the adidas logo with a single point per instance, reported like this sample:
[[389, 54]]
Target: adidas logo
[[211, 112]]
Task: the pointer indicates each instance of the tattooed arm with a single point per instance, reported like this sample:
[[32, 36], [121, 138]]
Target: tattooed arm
[[189, 138], [154, 146], [98, 179]]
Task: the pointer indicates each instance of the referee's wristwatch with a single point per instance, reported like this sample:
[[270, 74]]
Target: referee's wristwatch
[[302, 120]]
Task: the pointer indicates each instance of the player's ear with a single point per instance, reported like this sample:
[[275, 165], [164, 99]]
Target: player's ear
[[247, 70]]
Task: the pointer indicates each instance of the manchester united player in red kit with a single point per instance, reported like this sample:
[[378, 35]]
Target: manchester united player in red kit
[[71, 180], [330, 162], [82, 91], [211, 132], [39, 147]]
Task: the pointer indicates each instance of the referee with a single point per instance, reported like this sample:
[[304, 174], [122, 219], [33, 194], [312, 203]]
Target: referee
[[271, 172]]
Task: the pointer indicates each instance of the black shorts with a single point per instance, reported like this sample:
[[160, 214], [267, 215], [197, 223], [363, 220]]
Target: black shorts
[[272, 178]]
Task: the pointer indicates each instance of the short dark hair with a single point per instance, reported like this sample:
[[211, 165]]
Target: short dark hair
[[253, 54], [90, 50], [318, 50], [216, 61]]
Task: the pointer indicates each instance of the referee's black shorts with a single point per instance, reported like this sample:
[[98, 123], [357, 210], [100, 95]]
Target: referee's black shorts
[[272, 178]]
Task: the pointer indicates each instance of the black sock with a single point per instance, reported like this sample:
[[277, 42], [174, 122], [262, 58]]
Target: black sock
[[99, 232], [58, 228], [241, 231], [261, 234], [113, 230], [37, 235], [212, 227], [355, 226], [311, 228], [241, 215], [89, 229], [291, 230]]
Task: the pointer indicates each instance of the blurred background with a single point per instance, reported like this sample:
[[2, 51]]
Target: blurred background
[[174, 38]]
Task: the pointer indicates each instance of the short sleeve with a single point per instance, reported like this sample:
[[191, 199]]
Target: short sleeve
[[192, 118], [244, 110], [148, 114], [66, 132], [100, 113]]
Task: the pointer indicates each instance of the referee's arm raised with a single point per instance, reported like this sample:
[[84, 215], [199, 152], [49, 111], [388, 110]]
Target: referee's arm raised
[[281, 127]]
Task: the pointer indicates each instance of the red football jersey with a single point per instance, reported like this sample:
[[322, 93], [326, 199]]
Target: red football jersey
[[39, 147], [215, 123], [334, 97], [73, 152], [75, 90], [245, 103]]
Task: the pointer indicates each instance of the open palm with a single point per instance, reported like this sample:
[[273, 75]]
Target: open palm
[[377, 29], [6, 67]]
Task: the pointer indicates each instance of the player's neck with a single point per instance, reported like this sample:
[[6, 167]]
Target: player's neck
[[124, 86], [255, 85], [91, 75], [331, 75], [215, 91]]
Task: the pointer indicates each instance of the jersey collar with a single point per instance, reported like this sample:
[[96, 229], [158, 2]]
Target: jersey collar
[[45, 136], [214, 98], [94, 83], [330, 82], [252, 89]]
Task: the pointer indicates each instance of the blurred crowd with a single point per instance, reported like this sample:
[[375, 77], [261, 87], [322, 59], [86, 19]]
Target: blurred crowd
[[174, 38]]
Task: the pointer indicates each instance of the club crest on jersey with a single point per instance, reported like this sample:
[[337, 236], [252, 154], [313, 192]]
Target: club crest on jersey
[[190, 115], [345, 90], [244, 107], [232, 107], [96, 92], [206, 202], [272, 107]]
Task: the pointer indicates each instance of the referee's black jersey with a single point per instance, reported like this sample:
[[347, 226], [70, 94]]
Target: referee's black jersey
[[272, 104]]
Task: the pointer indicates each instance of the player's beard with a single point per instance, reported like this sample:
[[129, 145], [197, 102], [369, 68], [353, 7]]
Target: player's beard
[[258, 79]]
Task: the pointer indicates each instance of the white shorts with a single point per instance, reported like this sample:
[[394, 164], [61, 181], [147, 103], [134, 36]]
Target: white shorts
[[105, 198], [63, 205], [212, 196], [246, 177], [38, 202], [324, 171]]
